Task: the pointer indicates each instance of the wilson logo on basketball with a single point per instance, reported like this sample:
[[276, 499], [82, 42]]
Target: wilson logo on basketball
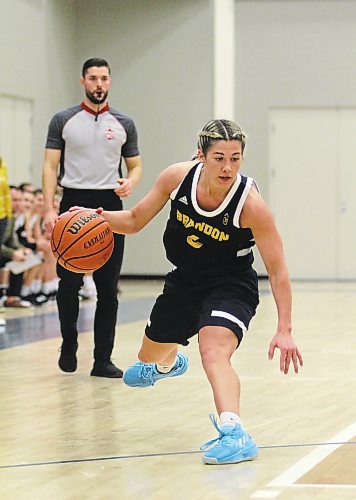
[[81, 222], [97, 238]]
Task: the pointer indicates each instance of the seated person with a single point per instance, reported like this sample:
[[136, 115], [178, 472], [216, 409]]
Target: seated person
[[11, 250], [41, 282]]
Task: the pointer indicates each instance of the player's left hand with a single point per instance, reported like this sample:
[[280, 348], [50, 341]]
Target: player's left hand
[[289, 352], [124, 188]]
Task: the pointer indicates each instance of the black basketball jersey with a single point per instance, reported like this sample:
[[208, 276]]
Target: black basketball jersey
[[212, 242]]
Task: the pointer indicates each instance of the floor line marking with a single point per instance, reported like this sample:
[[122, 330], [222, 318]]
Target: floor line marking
[[147, 455], [97, 459], [313, 458], [325, 485], [265, 494]]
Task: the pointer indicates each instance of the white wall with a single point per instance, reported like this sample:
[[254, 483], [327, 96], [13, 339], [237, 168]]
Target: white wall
[[37, 61], [161, 54], [290, 53]]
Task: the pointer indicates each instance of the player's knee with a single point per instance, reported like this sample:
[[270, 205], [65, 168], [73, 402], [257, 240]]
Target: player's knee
[[209, 356]]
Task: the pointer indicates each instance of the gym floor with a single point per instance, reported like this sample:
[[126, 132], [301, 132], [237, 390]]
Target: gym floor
[[72, 436]]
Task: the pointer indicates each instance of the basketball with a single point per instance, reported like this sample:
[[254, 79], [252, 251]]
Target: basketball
[[82, 241]]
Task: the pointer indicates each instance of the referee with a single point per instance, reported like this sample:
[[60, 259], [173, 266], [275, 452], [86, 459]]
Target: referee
[[84, 150]]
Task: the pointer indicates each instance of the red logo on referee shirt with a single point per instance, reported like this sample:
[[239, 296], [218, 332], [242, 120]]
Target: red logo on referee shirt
[[109, 134]]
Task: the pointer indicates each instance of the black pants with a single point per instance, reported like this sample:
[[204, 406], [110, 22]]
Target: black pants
[[15, 280], [106, 280], [15, 285]]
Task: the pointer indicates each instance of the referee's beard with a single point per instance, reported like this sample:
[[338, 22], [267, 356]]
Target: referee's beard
[[95, 99]]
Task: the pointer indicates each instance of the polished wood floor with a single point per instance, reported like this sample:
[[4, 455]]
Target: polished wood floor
[[76, 437]]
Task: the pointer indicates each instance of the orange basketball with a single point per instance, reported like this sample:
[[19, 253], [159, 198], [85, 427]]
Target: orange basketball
[[82, 241]]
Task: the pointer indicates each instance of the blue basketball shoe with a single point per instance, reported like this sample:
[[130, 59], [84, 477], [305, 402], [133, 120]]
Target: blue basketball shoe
[[146, 374], [233, 445]]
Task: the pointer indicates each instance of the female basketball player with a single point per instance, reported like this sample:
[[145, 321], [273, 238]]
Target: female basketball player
[[216, 217]]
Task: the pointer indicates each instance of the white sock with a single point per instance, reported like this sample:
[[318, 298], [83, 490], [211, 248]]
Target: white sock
[[54, 285], [229, 418], [165, 368], [36, 286], [46, 287], [88, 283], [25, 290]]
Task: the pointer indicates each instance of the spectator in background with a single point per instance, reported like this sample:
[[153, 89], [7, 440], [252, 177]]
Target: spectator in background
[[23, 228], [5, 208], [5, 199], [41, 282], [12, 250], [27, 187]]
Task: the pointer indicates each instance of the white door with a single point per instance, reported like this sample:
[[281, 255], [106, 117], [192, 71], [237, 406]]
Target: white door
[[16, 137], [311, 190], [346, 157]]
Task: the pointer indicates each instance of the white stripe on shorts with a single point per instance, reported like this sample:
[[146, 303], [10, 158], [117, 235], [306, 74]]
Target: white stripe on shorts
[[232, 318]]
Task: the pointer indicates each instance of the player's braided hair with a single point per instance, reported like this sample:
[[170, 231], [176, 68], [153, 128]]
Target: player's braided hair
[[220, 130]]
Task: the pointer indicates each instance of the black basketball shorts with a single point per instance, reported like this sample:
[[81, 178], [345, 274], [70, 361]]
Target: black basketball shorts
[[184, 308]]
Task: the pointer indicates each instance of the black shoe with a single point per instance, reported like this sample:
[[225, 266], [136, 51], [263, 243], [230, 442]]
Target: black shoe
[[106, 369], [29, 298], [68, 360]]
